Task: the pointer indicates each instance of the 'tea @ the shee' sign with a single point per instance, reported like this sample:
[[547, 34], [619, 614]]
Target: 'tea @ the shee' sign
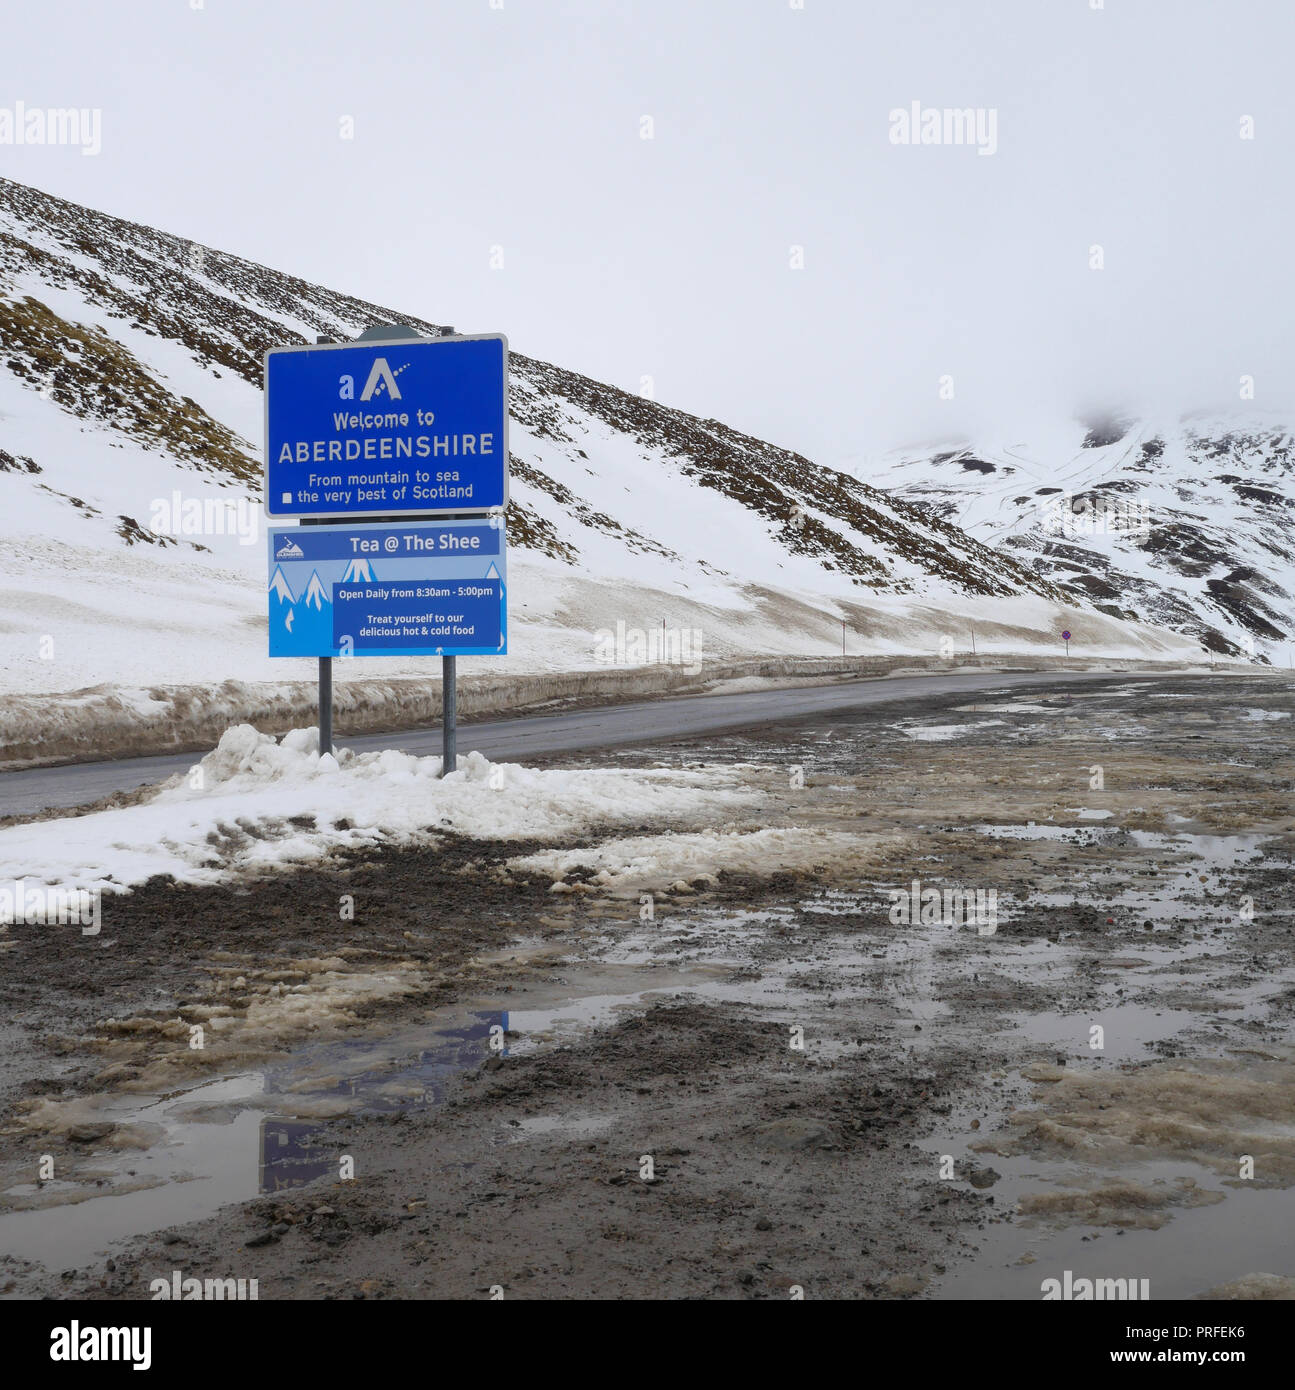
[[405, 589]]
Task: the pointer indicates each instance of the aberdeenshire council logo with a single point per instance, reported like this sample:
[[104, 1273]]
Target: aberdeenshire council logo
[[381, 378]]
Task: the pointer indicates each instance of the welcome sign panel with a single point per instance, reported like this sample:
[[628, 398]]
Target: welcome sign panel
[[403, 427]]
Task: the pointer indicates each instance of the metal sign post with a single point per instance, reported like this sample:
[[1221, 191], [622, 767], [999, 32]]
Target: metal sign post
[[325, 705], [449, 714]]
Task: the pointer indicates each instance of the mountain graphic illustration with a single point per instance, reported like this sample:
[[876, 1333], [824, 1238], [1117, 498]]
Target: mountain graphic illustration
[[358, 572], [289, 550], [279, 585], [316, 596], [304, 626]]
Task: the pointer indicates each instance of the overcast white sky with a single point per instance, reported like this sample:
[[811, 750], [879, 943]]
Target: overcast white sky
[[519, 127]]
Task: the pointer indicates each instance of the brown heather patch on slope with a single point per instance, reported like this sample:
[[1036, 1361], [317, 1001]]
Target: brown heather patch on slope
[[102, 380], [182, 323], [219, 306], [738, 476], [87, 509], [527, 528], [18, 463]]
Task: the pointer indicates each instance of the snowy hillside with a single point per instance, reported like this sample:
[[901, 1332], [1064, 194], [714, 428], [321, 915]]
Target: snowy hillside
[[1186, 523], [133, 541]]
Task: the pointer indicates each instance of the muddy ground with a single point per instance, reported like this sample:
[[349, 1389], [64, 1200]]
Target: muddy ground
[[718, 1068]]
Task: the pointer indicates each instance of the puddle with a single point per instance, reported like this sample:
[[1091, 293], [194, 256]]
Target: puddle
[[1011, 707], [943, 733], [1217, 853], [254, 1132], [542, 1026], [224, 1142], [1128, 1031], [1245, 1233], [575, 1126], [1189, 875], [1103, 1213]]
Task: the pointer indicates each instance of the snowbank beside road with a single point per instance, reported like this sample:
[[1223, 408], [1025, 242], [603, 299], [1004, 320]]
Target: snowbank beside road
[[255, 804]]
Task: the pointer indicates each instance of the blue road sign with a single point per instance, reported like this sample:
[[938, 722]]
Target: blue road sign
[[384, 428], [405, 589]]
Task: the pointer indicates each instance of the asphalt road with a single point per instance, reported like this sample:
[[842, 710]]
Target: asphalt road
[[645, 721]]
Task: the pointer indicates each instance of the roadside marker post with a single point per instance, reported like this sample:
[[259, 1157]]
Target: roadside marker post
[[355, 433], [1065, 637]]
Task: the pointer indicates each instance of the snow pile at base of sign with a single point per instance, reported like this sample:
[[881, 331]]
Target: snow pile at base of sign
[[256, 804]]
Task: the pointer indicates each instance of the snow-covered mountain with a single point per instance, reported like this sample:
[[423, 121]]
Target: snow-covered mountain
[[130, 512], [1188, 523]]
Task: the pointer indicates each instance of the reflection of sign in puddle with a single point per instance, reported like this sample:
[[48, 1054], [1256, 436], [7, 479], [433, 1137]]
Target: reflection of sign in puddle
[[212, 1132], [1127, 1031], [289, 1155]]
